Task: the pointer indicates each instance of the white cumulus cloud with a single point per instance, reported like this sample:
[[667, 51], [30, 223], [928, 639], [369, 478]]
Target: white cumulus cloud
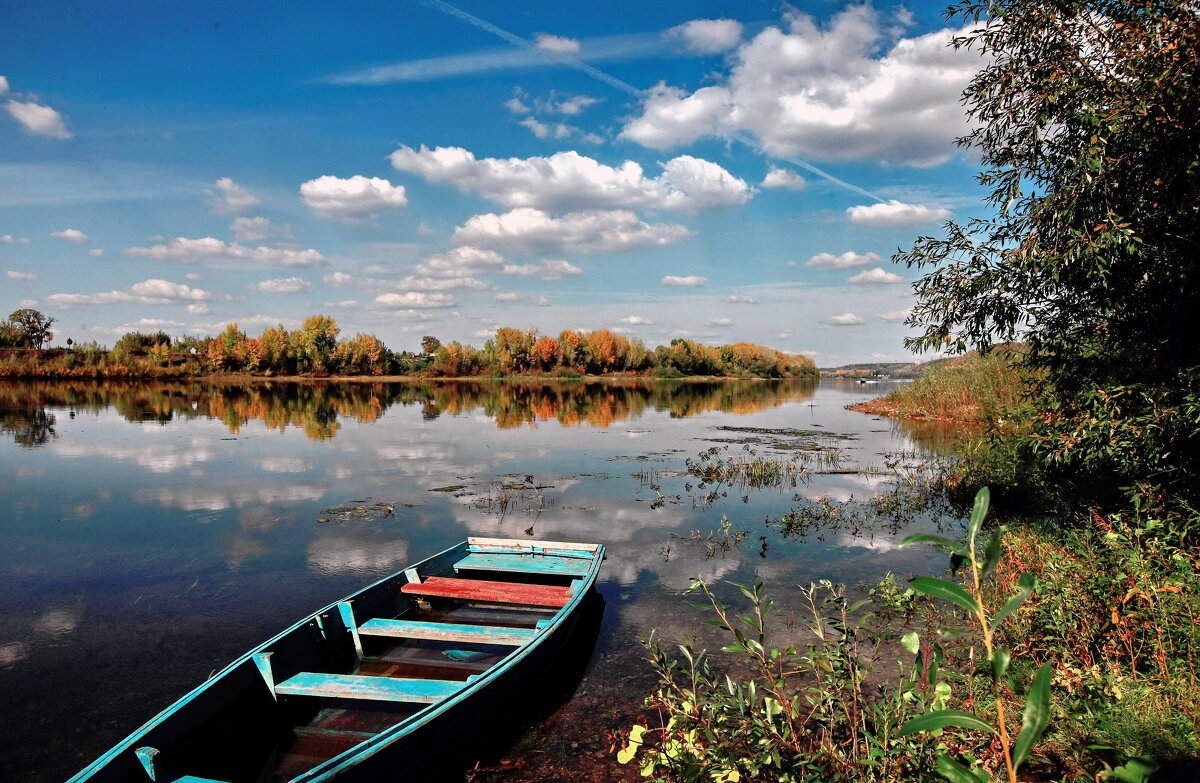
[[709, 36], [878, 275], [38, 119], [71, 235], [847, 260], [13, 274], [783, 178], [284, 285], [356, 198], [895, 213], [154, 291], [549, 269], [230, 197], [694, 281], [416, 299], [213, 250], [3, 85], [556, 44], [853, 89], [530, 231], [568, 181], [845, 319]]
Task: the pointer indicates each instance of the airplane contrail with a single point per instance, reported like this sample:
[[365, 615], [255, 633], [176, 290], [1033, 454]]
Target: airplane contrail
[[624, 86]]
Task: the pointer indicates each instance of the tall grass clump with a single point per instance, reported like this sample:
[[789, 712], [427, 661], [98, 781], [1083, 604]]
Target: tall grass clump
[[991, 388]]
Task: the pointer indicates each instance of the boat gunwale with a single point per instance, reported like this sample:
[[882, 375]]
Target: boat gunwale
[[380, 741], [369, 747]]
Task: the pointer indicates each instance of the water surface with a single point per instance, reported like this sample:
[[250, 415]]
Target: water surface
[[151, 533]]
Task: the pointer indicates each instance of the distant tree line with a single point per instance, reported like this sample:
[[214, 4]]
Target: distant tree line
[[314, 349]]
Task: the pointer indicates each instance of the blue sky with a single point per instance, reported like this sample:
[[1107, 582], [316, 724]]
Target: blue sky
[[721, 171]]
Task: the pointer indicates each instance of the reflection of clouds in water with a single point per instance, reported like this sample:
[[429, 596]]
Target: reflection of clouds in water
[[29, 471], [154, 457], [627, 561], [213, 499], [51, 625], [241, 547], [872, 540], [357, 550], [593, 523], [13, 652], [258, 519], [57, 622], [633, 538], [285, 464], [409, 452]]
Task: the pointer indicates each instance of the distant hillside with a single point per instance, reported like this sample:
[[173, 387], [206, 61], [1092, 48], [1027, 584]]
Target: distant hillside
[[890, 369]]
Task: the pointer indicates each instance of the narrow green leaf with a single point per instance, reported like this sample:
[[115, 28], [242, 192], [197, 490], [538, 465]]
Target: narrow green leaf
[[956, 773], [992, 553], [983, 499], [1036, 716], [940, 719], [926, 538], [1025, 582], [1000, 659], [911, 642], [940, 588]]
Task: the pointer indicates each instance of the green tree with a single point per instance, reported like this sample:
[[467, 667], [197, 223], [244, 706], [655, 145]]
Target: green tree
[[1087, 120], [430, 345], [33, 324], [315, 341]]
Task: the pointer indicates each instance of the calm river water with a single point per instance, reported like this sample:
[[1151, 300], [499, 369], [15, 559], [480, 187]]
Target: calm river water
[[151, 533]]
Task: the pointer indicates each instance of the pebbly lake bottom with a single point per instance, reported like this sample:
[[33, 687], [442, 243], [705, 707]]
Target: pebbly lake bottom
[[151, 533]]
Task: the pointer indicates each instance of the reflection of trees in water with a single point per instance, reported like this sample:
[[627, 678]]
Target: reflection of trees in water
[[318, 408], [28, 426]]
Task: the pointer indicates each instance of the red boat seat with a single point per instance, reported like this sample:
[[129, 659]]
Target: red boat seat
[[494, 592]]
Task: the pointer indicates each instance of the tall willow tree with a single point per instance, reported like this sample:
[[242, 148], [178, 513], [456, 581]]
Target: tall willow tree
[[1087, 120]]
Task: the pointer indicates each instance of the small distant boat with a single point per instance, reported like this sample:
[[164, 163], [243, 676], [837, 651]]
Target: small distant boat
[[417, 664]]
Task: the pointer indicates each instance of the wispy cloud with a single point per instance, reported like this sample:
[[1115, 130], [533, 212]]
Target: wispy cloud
[[615, 48]]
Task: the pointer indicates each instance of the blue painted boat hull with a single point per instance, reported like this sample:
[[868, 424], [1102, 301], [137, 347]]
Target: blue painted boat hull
[[338, 697]]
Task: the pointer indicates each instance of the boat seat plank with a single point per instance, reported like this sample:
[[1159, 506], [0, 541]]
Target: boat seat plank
[[496, 592], [447, 632], [523, 564], [351, 686]]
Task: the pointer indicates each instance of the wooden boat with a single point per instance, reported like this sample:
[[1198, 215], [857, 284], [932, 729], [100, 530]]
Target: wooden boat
[[379, 683]]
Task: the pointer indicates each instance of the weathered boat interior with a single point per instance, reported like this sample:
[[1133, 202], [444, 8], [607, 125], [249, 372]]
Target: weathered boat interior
[[409, 663]]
